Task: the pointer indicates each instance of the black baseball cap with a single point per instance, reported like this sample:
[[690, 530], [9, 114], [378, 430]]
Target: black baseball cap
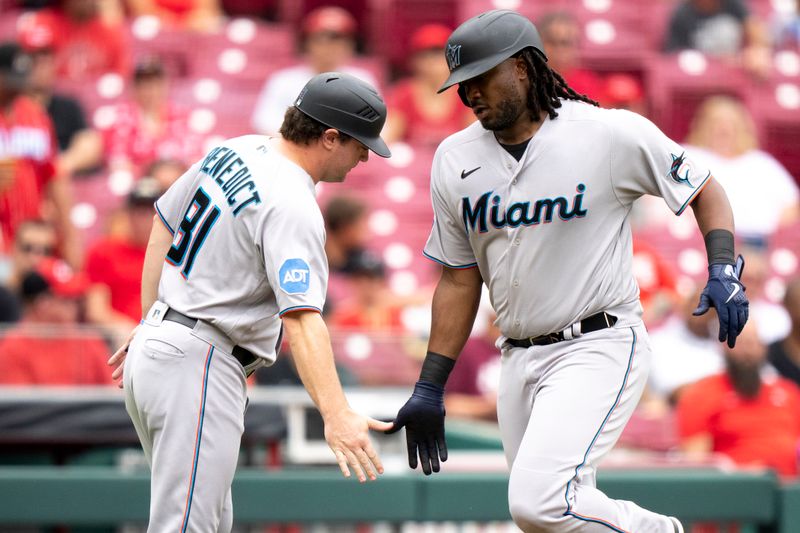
[[15, 65], [348, 104], [485, 41]]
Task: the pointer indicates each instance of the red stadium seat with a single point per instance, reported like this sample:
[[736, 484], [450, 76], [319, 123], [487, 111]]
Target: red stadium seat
[[243, 54], [776, 107], [678, 83], [8, 23], [393, 21]]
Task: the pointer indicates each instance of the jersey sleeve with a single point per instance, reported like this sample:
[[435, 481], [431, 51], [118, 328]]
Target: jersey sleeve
[[172, 204], [645, 161], [448, 243], [292, 239]]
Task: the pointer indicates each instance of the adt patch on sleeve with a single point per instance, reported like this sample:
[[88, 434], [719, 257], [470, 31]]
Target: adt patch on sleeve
[[294, 275]]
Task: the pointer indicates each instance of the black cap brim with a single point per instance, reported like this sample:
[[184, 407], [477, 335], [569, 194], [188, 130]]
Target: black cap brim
[[467, 72], [377, 145]]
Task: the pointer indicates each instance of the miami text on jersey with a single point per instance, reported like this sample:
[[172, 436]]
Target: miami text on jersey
[[233, 177], [519, 213]]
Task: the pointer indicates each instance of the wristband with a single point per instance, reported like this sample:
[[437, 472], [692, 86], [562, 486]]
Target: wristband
[[436, 368], [719, 247]]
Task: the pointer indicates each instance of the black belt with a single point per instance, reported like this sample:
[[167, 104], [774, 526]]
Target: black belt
[[245, 357], [587, 325]]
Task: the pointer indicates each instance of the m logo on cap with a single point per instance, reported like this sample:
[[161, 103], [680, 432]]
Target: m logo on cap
[[453, 55]]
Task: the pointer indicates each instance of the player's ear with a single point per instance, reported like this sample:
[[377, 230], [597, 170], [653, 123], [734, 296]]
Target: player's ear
[[329, 137], [520, 69]]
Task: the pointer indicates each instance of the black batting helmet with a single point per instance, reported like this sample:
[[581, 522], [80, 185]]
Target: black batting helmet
[[345, 103], [485, 41]]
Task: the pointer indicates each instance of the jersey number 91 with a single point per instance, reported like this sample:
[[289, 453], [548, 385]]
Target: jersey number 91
[[187, 241]]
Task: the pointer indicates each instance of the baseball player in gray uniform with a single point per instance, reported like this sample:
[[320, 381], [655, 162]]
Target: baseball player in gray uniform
[[534, 200], [236, 255]]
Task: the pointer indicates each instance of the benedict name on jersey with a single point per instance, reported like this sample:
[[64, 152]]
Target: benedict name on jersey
[[233, 177], [519, 213]]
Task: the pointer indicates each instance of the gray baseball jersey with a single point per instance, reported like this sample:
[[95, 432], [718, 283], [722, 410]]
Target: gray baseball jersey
[[249, 242], [550, 233]]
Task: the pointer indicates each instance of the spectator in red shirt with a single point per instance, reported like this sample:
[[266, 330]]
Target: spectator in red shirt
[[624, 91], [197, 15], [80, 147], [150, 126], [114, 265], [48, 347], [417, 114], [27, 155], [86, 46], [560, 34], [747, 413]]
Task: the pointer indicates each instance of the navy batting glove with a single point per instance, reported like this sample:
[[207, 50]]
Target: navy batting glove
[[725, 293], [423, 418]]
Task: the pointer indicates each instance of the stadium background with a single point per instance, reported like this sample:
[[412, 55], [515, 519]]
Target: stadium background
[[55, 429]]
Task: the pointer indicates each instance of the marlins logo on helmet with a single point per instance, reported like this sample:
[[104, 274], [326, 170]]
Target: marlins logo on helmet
[[453, 55]]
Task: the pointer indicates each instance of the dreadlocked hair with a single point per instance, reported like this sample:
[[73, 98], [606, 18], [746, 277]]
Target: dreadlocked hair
[[547, 87]]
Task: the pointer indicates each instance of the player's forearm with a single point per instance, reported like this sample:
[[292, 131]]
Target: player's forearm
[[712, 209], [157, 247], [455, 304], [313, 357]]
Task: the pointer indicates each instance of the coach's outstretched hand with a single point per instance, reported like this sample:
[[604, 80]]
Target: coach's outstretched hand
[[347, 433], [725, 293], [423, 418]]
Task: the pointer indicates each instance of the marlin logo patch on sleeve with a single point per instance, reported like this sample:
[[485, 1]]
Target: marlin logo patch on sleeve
[[294, 276], [676, 167]]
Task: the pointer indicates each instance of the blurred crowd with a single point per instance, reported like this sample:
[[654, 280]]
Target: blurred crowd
[[105, 103]]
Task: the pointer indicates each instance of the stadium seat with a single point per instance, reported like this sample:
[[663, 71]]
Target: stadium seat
[[776, 107], [243, 54], [678, 83], [8, 23], [397, 20]]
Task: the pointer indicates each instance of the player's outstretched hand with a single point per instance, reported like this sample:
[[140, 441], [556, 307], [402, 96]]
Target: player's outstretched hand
[[725, 293], [347, 434], [117, 361], [423, 418]]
